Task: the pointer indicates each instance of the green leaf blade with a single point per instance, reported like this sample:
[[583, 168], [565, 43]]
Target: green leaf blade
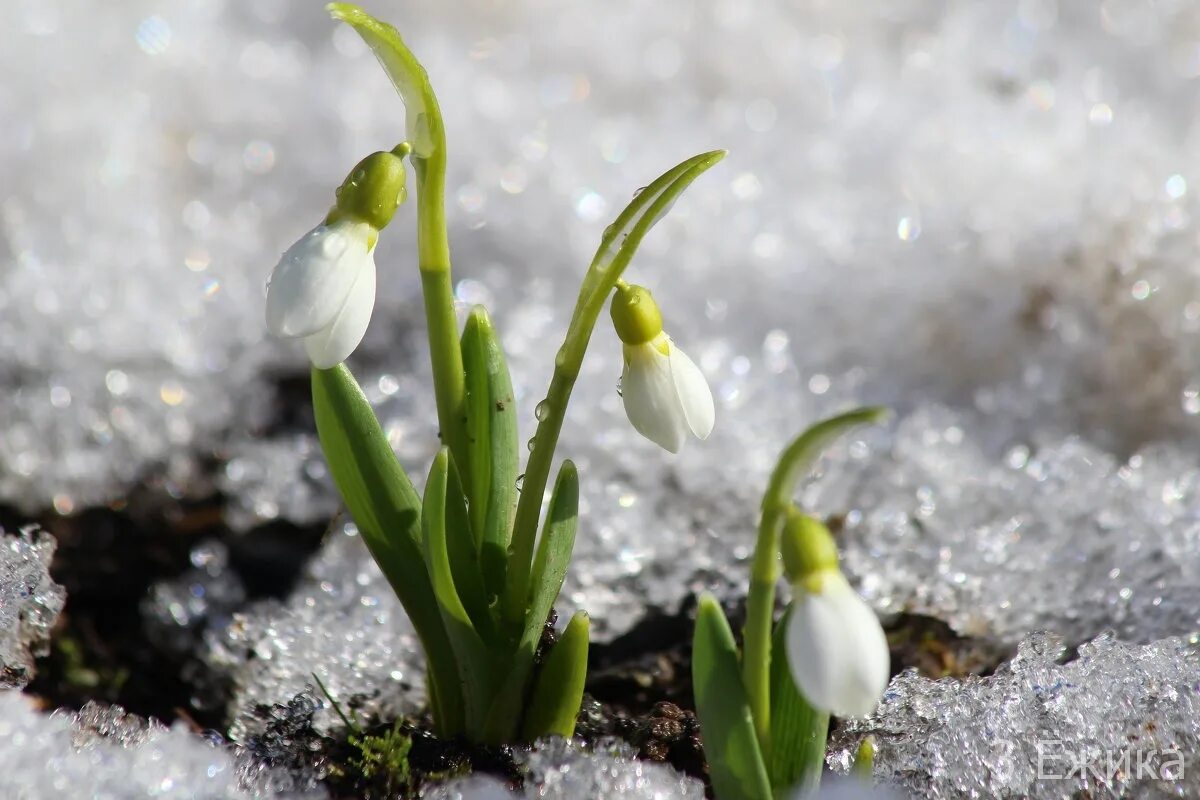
[[803, 452], [423, 117], [558, 690], [798, 731], [492, 445], [464, 556], [549, 571], [735, 762], [473, 659], [621, 239], [387, 510], [555, 548]]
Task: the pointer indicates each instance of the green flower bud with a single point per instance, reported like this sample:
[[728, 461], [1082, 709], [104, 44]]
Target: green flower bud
[[635, 315], [809, 552], [373, 190]]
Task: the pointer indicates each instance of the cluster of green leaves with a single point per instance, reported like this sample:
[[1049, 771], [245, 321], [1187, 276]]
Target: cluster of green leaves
[[465, 557], [761, 737]]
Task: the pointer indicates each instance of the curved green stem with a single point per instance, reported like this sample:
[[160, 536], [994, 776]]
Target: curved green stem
[[764, 568], [617, 246]]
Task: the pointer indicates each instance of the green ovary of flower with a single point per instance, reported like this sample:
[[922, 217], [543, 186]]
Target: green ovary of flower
[[373, 190]]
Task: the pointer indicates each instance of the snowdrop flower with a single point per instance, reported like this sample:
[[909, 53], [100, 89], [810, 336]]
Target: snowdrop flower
[[665, 394], [323, 289], [836, 648]]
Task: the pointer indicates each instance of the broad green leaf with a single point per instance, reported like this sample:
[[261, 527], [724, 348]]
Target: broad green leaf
[[492, 445], [798, 731], [735, 763], [387, 510], [474, 664], [550, 568], [558, 690], [423, 118]]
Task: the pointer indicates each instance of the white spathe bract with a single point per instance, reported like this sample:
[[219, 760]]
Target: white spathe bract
[[836, 648], [665, 394], [323, 291]]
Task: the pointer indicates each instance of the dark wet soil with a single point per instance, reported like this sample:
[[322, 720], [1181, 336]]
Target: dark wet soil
[[639, 685], [107, 559]]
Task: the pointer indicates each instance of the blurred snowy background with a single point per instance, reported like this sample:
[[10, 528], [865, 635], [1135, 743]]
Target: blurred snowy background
[[983, 214]]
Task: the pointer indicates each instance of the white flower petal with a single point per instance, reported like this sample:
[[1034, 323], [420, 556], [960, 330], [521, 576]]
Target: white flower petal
[[837, 650], [650, 399], [334, 344], [314, 277], [694, 395]]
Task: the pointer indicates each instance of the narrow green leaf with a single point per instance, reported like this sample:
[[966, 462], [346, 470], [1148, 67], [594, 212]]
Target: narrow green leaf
[[550, 568], [558, 690], [651, 203], [492, 445], [365, 470], [464, 557], [423, 117], [554, 549], [735, 764], [438, 510], [433, 525], [798, 731], [805, 449], [387, 510]]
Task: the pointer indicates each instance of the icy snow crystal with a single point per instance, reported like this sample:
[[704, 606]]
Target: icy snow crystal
[[342, 622], [104, 752], [1118, 720], [561, 770], [30, 602], [1045, 533]]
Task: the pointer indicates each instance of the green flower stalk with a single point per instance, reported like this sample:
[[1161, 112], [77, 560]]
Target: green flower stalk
[[765, 709], [474, 560]]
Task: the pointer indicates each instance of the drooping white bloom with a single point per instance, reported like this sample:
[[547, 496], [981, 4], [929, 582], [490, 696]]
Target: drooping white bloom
[[666, 396], [836, 647], [323, 290]]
